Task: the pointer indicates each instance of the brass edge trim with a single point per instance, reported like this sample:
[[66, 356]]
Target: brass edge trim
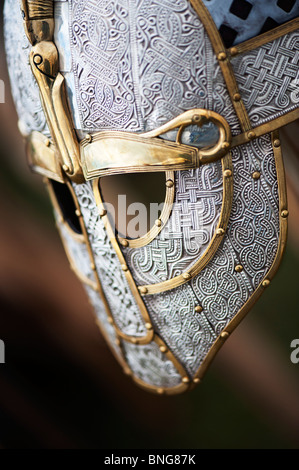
[[265, 38], [155, 230], [224, 62], [266, 128], [148, 153], [143, 310], [228, 187], [184, 386], [44, 62], [282, 191], [99, 288]]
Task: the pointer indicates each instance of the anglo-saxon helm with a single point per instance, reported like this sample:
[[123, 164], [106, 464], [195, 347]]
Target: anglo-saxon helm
[[196, 90]]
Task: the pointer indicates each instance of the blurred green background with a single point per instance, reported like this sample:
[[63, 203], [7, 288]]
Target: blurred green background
[[61, 387]]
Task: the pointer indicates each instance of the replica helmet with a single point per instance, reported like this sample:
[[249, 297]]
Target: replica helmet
[[195, 90]]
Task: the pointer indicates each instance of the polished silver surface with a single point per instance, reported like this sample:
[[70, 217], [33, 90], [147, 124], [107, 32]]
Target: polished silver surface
[[123, 305], [23, 85], [268, 78], [187, 234], [137, 64], [151, 366]]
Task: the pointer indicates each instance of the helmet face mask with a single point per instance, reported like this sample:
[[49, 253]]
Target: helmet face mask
[[141, 87]]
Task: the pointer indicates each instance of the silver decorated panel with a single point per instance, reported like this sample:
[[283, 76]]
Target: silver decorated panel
[[189, 231], [23, 85], [138, 63], [122, 303], [151, 366], [268, 78]]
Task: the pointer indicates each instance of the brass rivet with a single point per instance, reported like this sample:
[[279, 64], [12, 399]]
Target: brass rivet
[[78, 213], [124, 267], [220, 232], [124, 242], [225, 145], [196, 380], [47, 143], [187, 276], [143, 290], [103, 212], [110, 320], [186, 380], [38, 59], [160, 391], [276, 143], [169, 184], [158, 223], [224, 335], [237, 97], [256, 175], [117, 342], [251, 135], [148, 326], [163, 349], [234, 51], [88, 137], [285, 214], [222, 56], [66, 168], [266, 283], [127, 372], [198, 309], [239, 268], [196, 118], [93, 266], [227, 173]]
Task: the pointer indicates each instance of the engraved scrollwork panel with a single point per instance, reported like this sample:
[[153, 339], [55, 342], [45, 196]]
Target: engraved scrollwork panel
[[187, 333], [101, 315], [188, 232], [23, 85], [135, 71], [268, 78], [151, 366], [252, 237], [122, 303]]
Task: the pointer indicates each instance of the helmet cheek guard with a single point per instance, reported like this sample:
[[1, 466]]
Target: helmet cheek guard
[[118, 88]]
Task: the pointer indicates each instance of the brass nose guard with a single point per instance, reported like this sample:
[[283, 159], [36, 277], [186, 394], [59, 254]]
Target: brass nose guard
[[113, 152]]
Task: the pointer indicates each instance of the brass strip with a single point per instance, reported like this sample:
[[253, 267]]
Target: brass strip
[[155, 230], [112, 152], [265, 128], [132, 339], [224, 61], [264, 38], [40, 9], [42, 156], [228, 187], [44, 62], [283, 209], [143, 310]]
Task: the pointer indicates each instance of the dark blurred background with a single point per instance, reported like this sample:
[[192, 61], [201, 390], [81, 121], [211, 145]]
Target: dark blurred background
[[61, 386]]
